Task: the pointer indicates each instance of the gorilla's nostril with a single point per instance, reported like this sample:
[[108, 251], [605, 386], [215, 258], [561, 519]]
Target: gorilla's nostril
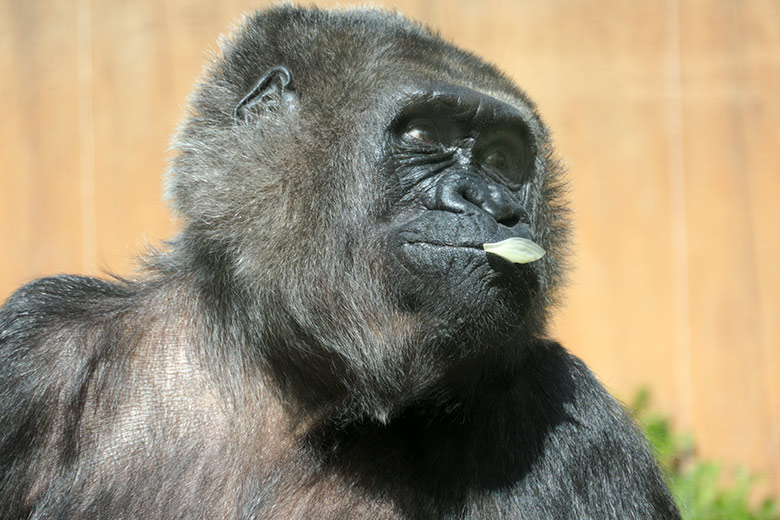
[[465, 193], [501, 205], [510, 221]]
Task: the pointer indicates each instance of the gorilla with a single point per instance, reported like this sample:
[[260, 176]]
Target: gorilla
[[351, 322]]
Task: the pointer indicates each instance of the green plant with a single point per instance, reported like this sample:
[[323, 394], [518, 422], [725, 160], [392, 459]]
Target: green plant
[[698, 485]]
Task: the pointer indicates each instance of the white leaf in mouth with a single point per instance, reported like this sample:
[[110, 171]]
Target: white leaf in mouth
[[517, 250]]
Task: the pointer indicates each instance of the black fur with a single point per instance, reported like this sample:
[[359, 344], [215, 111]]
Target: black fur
[[324, 338]]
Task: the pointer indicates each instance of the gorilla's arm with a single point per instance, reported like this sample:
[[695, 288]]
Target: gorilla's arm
[[55, 342], [590, 450]]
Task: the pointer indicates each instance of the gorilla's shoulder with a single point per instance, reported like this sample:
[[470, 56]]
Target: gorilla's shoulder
[[64, 295], [57, 303], [562, 384]]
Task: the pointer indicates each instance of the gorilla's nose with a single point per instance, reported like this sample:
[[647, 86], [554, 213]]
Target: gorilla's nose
[[469, 194]]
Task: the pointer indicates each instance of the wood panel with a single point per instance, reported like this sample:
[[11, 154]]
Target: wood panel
[[733, 274], [40, 188], [667, 113]]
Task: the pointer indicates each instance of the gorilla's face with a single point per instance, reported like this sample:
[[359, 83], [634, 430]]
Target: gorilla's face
[[349, 177], [461, 166]]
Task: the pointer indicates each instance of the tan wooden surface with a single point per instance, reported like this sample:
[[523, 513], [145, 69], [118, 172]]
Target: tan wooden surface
[[668, 113]]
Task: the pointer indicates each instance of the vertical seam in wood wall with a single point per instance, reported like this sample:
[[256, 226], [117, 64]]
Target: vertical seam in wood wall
[[679, 231], [86, 139]]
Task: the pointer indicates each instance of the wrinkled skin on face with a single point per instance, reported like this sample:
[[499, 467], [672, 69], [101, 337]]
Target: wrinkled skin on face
[[463, 163]]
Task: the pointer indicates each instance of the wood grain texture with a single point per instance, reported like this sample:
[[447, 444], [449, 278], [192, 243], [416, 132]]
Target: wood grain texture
[[666, 112], [39, 141]]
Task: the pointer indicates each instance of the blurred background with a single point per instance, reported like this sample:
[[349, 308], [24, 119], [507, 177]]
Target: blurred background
[[667, 113]]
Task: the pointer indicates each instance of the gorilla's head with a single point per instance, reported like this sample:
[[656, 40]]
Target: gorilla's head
[[338, 177]]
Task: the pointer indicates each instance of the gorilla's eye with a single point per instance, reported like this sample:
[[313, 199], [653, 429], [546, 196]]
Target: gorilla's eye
[[498, 159], [505, 159], [423, 130]]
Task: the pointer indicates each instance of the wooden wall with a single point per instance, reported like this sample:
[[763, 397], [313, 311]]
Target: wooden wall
[[668, 113]]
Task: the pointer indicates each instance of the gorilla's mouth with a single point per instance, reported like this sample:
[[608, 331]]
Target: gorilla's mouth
[[517, 250], [440, 247], [439, 256], [460, 276], [445, 243], [444, 257]]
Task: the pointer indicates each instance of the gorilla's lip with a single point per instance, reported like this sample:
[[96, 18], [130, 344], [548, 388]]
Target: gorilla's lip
[[447, 229], [469, 233], [430, 250], [444, 234], [417, 253], [420, 243]]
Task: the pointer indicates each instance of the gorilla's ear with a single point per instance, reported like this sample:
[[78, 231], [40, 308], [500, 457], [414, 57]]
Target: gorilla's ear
[[274, 88]]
